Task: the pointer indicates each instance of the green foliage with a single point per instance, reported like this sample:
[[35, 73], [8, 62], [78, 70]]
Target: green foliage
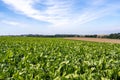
[[28, 58]]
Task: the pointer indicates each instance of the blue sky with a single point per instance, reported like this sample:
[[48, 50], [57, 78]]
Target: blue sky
[[59, 17]]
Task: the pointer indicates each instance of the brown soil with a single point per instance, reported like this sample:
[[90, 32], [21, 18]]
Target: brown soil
[[96, 40]]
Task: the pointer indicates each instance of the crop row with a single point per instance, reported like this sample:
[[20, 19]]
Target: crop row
[[27, 58]]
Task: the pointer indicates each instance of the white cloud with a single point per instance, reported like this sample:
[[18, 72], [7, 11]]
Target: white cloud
[[59, 12], [56, 10], [13, 23], [88, 16]]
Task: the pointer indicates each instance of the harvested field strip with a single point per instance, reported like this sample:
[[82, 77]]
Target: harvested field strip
[[97, 40]]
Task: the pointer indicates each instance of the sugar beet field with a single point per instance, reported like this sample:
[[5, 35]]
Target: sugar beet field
[[28, 58]]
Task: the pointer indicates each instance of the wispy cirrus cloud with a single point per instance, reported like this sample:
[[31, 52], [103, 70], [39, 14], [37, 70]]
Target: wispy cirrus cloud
[[55, 10], [94, 14], [61, 12], [9, 22]]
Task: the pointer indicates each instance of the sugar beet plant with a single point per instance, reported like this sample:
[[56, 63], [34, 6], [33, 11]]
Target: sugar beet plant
[[25, 58]]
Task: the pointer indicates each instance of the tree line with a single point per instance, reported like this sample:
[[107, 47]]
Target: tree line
[[111, 36]]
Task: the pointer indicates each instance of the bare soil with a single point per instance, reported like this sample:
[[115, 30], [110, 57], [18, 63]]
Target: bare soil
[[97, 40]]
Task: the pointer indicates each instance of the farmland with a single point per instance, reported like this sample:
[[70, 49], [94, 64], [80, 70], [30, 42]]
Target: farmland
[[96, 39], [28, 58]]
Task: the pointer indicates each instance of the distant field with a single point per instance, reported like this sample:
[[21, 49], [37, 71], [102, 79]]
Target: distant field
[[96, 40], [28, 58]]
